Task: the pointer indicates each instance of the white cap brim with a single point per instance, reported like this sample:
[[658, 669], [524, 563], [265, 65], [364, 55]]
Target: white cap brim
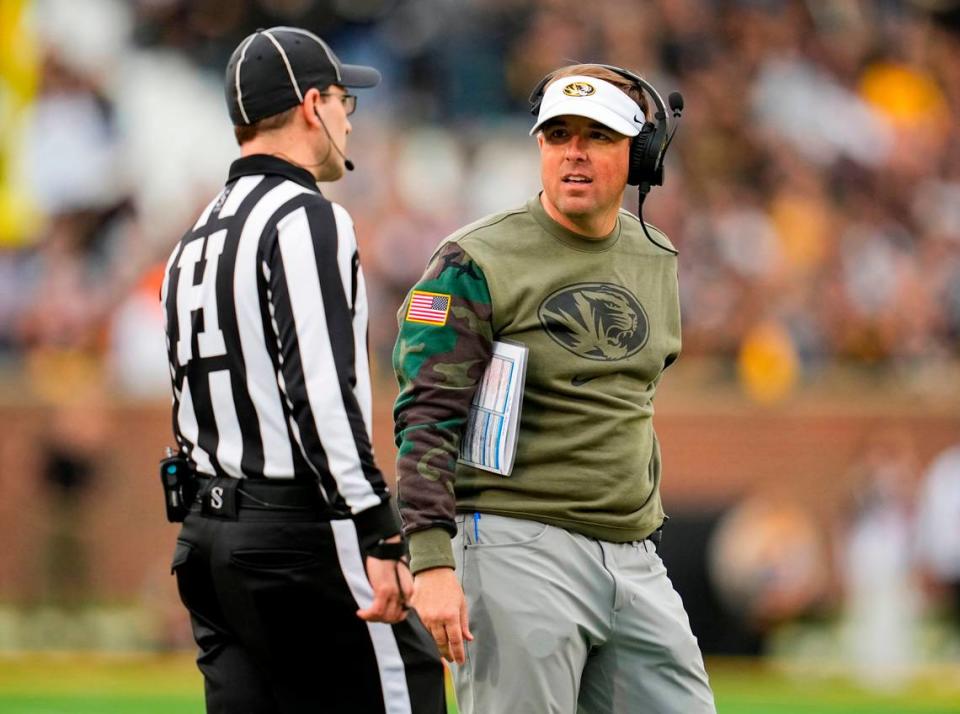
[[607, 105]]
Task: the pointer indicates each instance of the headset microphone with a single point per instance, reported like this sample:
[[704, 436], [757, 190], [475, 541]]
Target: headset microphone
[[347, 163], [675, 100]]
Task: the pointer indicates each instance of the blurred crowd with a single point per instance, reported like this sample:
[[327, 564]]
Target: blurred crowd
[[813, 190]]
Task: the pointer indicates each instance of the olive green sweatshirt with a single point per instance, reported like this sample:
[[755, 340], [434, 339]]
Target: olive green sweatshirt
[[601, 319]]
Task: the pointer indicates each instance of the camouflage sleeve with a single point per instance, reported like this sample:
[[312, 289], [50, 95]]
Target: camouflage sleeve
[[442, 349]]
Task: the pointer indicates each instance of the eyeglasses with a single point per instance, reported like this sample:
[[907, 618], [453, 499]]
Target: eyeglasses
[[349, 101]]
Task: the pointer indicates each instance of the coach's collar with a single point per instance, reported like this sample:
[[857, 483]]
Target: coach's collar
[[265, 164]]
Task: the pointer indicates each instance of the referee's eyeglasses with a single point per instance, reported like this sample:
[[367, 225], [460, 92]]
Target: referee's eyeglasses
[[349, 101]]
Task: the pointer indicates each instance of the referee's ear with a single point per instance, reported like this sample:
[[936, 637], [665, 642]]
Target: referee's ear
[[311, 107]]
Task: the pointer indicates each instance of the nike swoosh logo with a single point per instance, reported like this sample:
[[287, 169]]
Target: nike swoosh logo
[[579, 381]]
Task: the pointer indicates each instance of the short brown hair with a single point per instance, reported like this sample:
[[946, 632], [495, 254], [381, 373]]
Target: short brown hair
[[608, 75], [247, 132]]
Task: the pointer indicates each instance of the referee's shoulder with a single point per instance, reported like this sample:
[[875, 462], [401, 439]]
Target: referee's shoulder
[[324, 214], [310, 199], [302, 212]]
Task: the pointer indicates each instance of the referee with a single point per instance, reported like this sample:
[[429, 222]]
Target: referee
[[290, 559]]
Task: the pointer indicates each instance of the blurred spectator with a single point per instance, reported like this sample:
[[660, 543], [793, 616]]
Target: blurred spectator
[[767, 563], [877, 571], [745, 569], [768, 362], [72, 450], [938, 527]]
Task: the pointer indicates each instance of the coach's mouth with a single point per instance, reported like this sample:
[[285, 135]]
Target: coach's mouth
[[577, 179]]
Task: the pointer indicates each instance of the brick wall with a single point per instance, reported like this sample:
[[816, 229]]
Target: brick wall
[[711, 454]]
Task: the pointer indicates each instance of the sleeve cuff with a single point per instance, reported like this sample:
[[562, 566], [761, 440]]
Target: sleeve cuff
[[430, 548], [377, 523]]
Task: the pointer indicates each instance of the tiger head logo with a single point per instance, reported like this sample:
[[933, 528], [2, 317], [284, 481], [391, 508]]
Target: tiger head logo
[[599, 321], [579, 89]]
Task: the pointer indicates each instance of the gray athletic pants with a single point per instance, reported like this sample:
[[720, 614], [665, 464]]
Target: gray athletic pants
[[564, 623]]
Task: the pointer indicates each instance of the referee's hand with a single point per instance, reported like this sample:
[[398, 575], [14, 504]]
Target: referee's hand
[[392, 589], [439, 601]]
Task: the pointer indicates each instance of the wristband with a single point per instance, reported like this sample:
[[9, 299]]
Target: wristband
[[388, 551]]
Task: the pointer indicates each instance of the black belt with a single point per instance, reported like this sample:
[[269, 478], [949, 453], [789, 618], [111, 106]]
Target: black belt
[[229, 498]]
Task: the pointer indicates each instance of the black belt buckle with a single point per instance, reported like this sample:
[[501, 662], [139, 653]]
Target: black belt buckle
[[219, 499]]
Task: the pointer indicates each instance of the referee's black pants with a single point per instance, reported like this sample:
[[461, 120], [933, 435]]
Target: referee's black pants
[[273, 601]]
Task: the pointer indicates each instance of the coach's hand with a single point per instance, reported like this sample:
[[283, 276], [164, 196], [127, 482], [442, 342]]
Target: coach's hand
[[392, 589], [439, 601]]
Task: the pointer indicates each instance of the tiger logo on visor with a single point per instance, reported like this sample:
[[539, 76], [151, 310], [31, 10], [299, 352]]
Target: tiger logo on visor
[[579, 89]]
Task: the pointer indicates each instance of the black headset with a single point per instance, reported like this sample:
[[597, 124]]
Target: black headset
[[648, 148]]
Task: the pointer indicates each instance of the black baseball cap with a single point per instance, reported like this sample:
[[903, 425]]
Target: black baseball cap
[[271, 70]]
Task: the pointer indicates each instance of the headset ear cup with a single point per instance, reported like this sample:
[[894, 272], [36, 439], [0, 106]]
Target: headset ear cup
[[536, 96], [641, 166]]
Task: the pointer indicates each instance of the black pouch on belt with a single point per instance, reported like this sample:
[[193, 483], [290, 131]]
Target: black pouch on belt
[[179, 486]]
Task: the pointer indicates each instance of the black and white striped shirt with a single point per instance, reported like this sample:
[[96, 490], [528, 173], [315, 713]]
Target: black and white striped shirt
[[266, 321]]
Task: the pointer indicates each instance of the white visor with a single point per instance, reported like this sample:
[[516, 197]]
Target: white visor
[[592, 98]]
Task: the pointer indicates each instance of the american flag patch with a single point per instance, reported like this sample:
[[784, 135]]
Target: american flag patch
[[428, 308]]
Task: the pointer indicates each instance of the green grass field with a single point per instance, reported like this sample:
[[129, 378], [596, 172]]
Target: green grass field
[[151, 684]]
